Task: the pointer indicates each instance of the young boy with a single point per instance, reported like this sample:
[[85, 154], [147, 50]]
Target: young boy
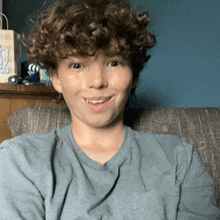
[[98, 168]]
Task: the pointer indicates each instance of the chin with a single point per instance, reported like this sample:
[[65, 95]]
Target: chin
[[104, 123]]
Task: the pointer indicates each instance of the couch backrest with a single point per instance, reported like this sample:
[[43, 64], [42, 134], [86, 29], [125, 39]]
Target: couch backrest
[[199, 126]]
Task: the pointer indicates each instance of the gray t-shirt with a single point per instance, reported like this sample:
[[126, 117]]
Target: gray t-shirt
[[152, 177]]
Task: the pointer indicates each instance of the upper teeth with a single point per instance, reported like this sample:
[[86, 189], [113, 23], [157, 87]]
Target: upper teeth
[[96, 101]]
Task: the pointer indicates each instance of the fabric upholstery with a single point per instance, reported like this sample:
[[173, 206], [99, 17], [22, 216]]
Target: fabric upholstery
[[199, 126], [38, 120]]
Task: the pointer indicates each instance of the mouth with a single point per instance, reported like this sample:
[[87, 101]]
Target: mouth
[[97, 101], [98, 104]]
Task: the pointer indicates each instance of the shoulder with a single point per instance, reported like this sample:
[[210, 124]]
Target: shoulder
[[29, 144], [31, 150], [169, 151], [30, 158], [34, 142], [168, 143], [175, 150]]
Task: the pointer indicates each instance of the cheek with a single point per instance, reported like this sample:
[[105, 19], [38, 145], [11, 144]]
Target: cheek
[[123, 81], [70, 85]]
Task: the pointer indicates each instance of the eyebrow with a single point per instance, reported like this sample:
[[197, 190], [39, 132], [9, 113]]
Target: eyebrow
[[79, 56]]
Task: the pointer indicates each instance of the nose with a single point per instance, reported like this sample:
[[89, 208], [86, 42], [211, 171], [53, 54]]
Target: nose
[[96, 77]]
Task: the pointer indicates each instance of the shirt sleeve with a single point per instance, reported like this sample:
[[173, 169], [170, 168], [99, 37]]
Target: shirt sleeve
[[19, 197], [197, 201]]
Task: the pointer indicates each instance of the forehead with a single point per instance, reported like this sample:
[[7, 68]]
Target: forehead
[[109, 49], [100, 54]]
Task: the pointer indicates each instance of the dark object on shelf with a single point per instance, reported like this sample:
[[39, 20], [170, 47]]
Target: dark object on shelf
[[30, 79], [14, 79], [31, 74]]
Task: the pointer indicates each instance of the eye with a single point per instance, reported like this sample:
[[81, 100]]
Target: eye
[[76, 66], [114, 63]]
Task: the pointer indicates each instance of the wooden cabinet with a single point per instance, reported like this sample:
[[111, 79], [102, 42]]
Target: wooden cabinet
[[15, 97]]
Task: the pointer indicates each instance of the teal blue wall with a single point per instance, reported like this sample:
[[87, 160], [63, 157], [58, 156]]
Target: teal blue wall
[[18, 12], [184, 70]]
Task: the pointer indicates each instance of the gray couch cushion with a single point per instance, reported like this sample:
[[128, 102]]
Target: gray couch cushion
[[38, 120], [199, 126]]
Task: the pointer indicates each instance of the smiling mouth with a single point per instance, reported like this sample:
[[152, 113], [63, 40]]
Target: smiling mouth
[[97, 102]]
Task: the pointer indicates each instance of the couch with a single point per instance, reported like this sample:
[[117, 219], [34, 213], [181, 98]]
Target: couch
[[200, 126]]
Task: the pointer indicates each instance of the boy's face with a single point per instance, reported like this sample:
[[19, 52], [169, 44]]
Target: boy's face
[[95, 89]]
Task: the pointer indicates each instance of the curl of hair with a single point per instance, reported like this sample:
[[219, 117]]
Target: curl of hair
[[85, 26]]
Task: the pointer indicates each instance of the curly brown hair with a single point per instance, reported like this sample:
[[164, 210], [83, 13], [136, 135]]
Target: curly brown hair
[[85, 26]]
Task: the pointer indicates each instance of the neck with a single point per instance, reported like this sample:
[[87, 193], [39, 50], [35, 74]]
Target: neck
[[110, 136]]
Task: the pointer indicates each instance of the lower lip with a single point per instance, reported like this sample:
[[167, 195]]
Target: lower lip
[[98, 107]]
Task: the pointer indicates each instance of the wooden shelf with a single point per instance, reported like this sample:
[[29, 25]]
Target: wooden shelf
[[15, 97], [31, 91]]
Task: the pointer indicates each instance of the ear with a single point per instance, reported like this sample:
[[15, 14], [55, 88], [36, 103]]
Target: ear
[[56, 82], [135, 82]]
